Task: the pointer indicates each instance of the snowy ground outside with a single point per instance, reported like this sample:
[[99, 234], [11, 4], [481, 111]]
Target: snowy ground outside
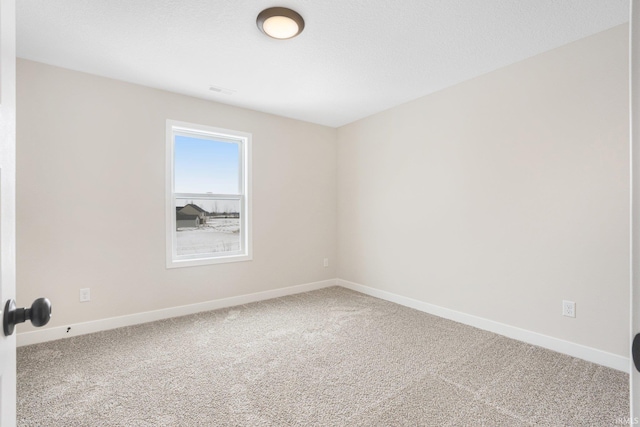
[[217, 235]]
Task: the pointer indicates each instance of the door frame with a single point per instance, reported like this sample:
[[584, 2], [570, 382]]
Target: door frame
[[634, 150], [7, 204]]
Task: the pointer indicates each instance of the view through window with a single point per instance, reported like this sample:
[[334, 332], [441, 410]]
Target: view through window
[[209, 218]]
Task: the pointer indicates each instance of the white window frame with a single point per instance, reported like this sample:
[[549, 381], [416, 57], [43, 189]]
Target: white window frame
[[243, 140]]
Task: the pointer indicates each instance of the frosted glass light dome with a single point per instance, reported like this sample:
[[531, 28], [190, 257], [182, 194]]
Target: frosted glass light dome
[[280, 23]]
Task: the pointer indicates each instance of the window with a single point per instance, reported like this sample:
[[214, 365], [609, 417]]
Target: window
[[208, 205]]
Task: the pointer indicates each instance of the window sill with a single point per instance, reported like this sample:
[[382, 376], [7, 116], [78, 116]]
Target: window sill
[[194, 262]]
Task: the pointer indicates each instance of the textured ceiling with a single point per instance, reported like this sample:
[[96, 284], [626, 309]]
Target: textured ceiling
[[354, 58]]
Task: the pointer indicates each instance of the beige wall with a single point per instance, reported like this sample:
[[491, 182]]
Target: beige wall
[[501, 196], [498, 197], [91, 192]]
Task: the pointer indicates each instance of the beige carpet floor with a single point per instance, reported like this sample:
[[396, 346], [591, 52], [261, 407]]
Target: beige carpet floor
[[325, 358]]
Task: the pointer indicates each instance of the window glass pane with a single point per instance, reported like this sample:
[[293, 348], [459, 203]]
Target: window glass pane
[[206, 166], [207, 226]]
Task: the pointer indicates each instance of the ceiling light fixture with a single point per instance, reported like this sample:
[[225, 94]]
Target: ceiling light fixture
[[280, 23]]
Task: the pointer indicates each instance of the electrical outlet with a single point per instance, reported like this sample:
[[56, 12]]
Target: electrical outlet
[[326, 262], [85, 294], [568, 308]]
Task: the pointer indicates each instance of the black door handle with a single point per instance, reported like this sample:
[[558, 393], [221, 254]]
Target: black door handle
[[39, 314], [635, 351]]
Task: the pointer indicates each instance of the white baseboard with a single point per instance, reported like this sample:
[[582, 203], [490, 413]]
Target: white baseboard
[[589, 354], [566, 347], [50, 334]]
